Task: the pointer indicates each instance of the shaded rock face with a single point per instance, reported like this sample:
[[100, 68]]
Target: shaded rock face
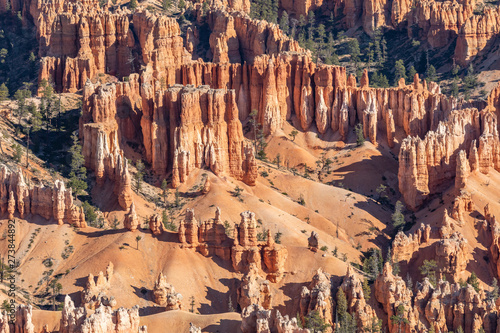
[[244, 250], [49, 202], [99, 131], [104, 319], [165, 295]]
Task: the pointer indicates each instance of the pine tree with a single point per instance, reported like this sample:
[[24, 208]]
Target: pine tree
[[21, 95], [431, 73], [400, 71], [493, 294], [360, 137], [366, 290], [473, 281], [398, 219], [284, 23], [165, 4], [454, 89], [139, 175], [132, 5], [428, 270], [78, 173], [411, 72], [341, 306], [354, 51], [398, 318], [164, 189], [4, 92], [315, 323]]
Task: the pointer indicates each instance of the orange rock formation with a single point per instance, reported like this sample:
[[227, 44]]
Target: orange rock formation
[[55, 202]]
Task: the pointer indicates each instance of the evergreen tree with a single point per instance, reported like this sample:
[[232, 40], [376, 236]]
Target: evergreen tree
[[346, 322], [379, 80], [398, 219], [400, 71], [138, 238], [205, 7], [21, 95], [164, 189], [428, 270], [310, 18], [370, 55], [360, 137], [431, 73], [470, 80], [35, 117], [376, 46], [398, 318], [18, 152], [366, 290], [165, 4], [284, 23], [321, 35], [411, 72], [473, 281], [354, 51], [47, 101], [139, 175], [261, 146], [181, 5], [341, 306], [4, 92], [384, 50], [315, 323], [132, 5], [454, 89], [78, 173], [493, 294]]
